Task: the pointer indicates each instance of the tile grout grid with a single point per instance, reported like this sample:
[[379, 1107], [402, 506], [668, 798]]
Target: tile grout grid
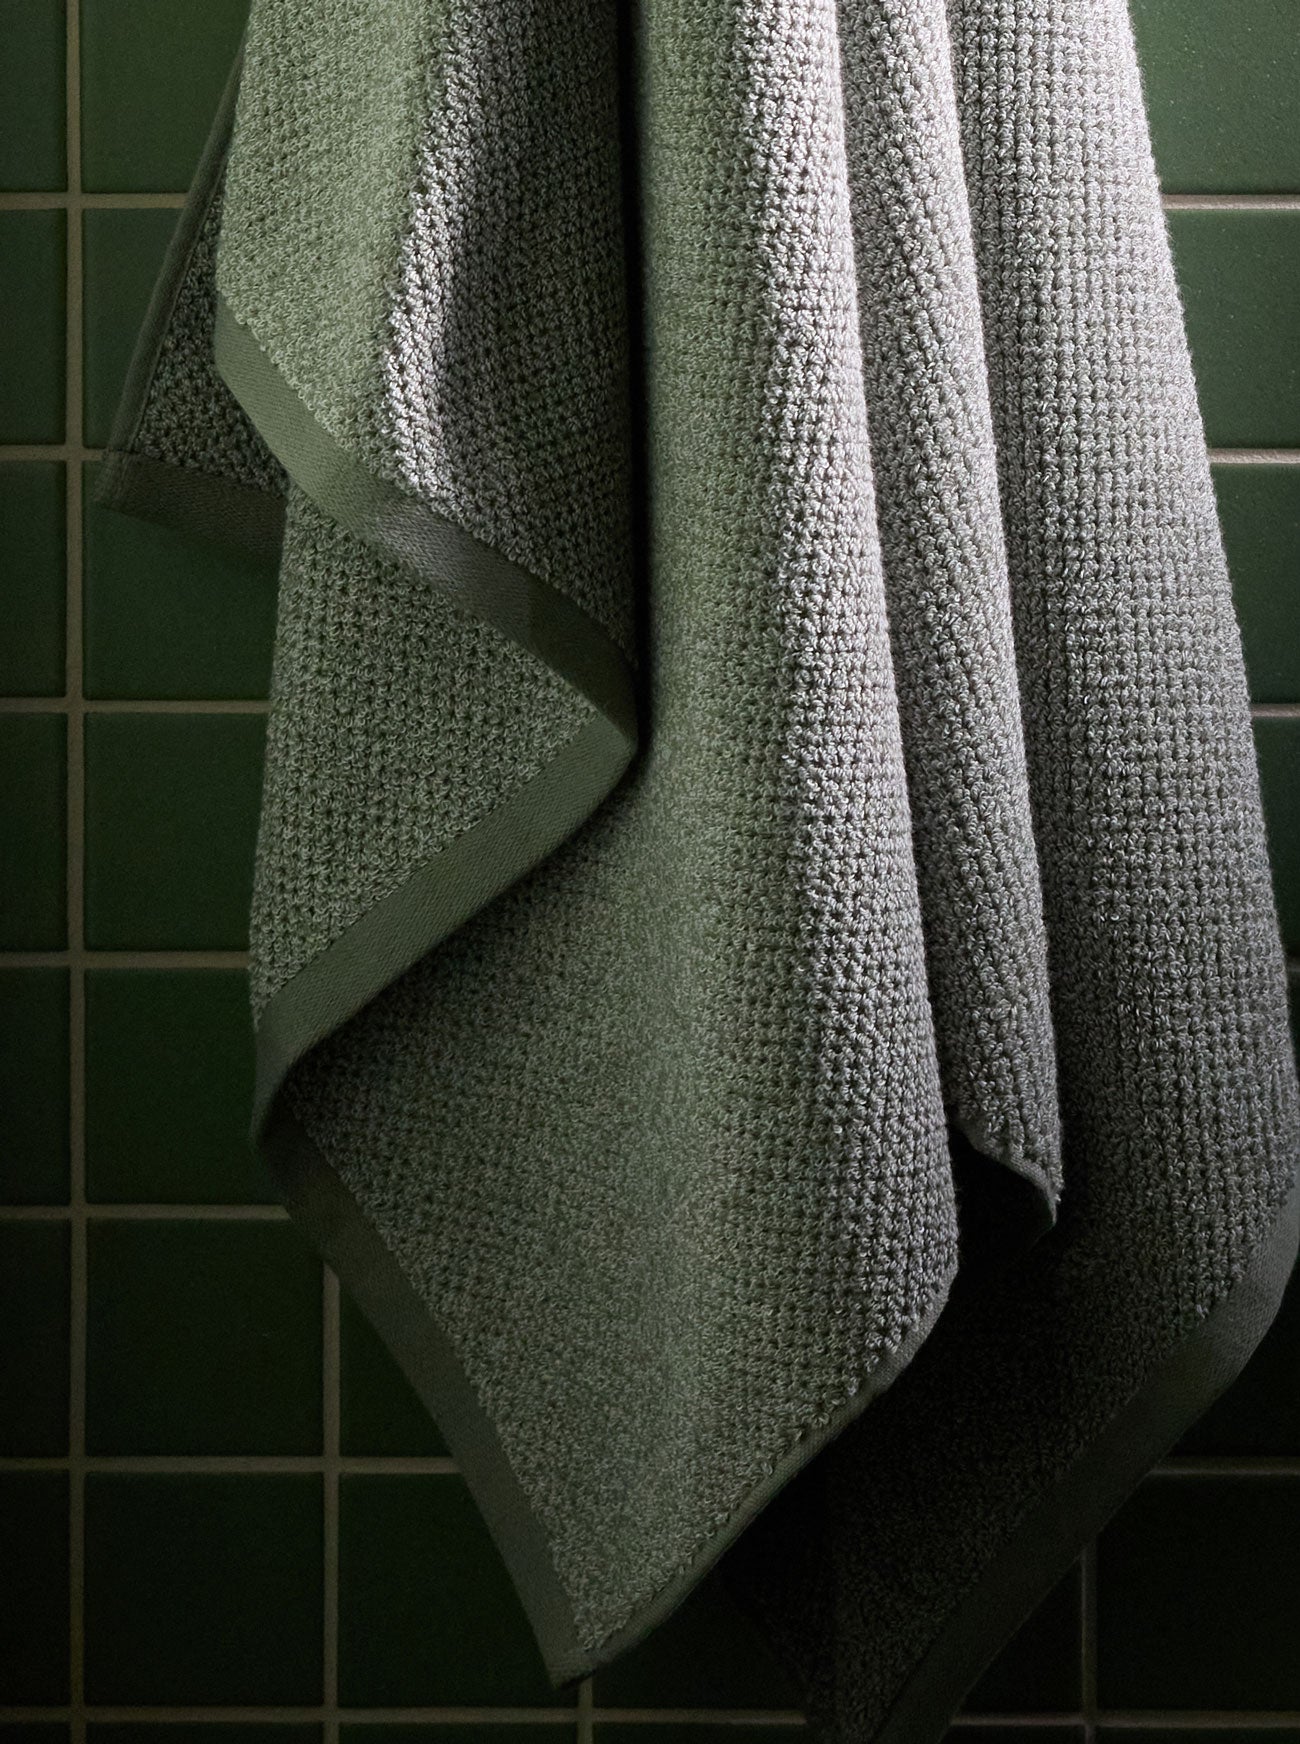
[[581, 1712]]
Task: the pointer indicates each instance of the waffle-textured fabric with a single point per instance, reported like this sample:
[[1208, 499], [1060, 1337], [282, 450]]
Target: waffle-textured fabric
[[766, 978]]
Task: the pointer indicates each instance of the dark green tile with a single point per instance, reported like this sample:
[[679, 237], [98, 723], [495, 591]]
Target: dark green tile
[[1040, 1670], [1260, 1412], [171, 822], [32, 101], [33, 832], [169, 1087], [1198, 1602], [691, 1732], [994, 1734], [203, 1337], [1199, 1735], [706, 1655], [1277, 741], [203, 1589], [476, 1732], [151, 76], [1238, 272], [201, 1732], [1222, 81], [123, 252], [32, 294], [1259, 511], [34, 1086], [171, 616], [34, 1314], [427, 1614], [33, 518], [379, 1410], [35, 1732], [34, 1595]]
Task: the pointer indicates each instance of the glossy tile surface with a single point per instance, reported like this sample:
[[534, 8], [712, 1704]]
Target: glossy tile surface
[[171, 616], [1198, 1602], [33, 832], [32, 150], [1238, 272], [1277, 745], [203, 1588], [34, 1590], [169, 1088], [1259, 513], [34, 1321], [1222, 84], [379, 1412], [427, 1614], [123, 253], [33, 521], [202, 1337], [34, 1086], [33, 268], [171, 820], [151, 75]]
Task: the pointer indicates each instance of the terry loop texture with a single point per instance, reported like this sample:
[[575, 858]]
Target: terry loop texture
[[768, 985]]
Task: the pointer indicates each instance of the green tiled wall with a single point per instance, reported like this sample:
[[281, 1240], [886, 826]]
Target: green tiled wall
[[224, 1519]]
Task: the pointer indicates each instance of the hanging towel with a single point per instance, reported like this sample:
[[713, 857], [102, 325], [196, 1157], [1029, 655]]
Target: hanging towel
[[766, 980]]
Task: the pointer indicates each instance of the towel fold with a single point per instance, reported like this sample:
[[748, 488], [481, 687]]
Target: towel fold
[[767, 985]]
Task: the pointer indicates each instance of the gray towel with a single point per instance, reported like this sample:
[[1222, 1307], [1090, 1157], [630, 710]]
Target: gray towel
[[766, 979]]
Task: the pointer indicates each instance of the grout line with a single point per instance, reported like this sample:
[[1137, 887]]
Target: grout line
[[1088, 1641], [46, 705], [74, 200], [1254, 456], [73, 435], [585, 1711], [1231, 202], [331, 1409], [129, 1213], [92, 959], [1275, 711], [243, 1464], [47, 451]]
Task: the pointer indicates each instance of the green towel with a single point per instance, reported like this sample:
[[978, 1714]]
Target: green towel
[[766, 979]]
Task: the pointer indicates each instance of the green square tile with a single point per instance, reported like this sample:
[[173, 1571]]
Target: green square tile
[[34, 1086], [202, 1337], [171, 616], [427, 1614], [1277, 743], [1198, 1605], [1259, 512], [34, 1314], [32, 101], [171, 824], [1260, 1412], [379, 1410], [33, 268], [1175, 1734], [1222, 82], [201, 1732], [1238, 272], [33, 832], [1040, 1670], [33, 519], [151, 77], [34, 1596], [35, 1732], [203, 1588], [706, 1655], [123, 254], [169, 1087], [476, 1732]]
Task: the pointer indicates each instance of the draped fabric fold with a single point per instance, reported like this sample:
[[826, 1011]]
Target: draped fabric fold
[[766, 981]]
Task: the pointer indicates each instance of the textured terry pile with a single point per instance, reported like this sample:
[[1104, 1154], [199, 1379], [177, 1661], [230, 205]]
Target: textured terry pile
[[766, 978]]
